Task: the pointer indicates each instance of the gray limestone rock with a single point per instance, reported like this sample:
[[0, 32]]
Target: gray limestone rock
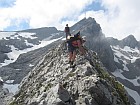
[[53, 82]]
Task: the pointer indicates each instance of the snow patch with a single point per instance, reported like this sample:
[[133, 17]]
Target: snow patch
[[63, 38], [125, 68], [116, 59], [134, 94], [27, 35], [30, 65], [118, 72], [15, 53], [3, 35], [13, 88], [28, 44], [1, 79], [9, 81], [128, 49], [124, 52], [13, 35]]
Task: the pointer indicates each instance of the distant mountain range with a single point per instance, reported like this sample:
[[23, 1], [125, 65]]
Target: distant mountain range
[[21, 51]]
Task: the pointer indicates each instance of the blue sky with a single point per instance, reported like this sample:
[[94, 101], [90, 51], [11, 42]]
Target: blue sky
[[6, 3], [117, 18], [94, 6], [20, 26]]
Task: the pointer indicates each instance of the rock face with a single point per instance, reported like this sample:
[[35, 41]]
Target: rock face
[[53, 82]]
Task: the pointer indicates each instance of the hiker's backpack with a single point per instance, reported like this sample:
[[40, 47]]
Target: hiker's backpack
[[74, 40]]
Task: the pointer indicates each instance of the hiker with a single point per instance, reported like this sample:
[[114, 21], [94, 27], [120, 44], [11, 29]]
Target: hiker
[[78, 42], [74, 42], [67, 30], [72, 51]]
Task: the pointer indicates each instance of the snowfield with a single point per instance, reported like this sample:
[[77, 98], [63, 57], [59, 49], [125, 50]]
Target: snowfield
[[127, 55], [16, 52]]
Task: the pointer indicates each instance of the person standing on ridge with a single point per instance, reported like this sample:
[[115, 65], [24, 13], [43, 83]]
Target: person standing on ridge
[[67, 31]]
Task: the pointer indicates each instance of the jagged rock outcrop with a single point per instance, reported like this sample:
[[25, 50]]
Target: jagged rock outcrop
[[130, 41], [53, 82]]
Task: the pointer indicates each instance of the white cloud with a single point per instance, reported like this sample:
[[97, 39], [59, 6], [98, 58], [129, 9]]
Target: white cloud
[[43, 12], [120, 19]]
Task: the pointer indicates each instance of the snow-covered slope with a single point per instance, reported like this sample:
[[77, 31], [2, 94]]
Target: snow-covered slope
[[124, 58], [27, 39], [127, 54]]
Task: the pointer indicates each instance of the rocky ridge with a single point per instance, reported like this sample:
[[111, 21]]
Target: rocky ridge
[[53, 82], [129, 41]]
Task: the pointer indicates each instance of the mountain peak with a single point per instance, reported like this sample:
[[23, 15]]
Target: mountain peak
[[53, 82], [130, 37], [130, 41], [87, 26]]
